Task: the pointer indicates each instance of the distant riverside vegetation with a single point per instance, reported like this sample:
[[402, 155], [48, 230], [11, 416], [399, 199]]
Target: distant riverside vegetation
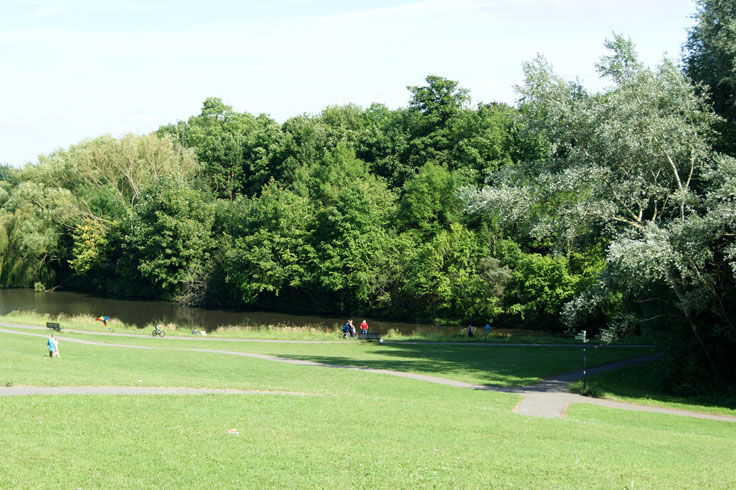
[[611, 212]]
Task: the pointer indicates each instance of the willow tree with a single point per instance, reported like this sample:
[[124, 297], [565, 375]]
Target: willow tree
[[106, 178], [635, 164]]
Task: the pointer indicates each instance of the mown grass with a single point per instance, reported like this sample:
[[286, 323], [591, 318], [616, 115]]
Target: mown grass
[[291, 332], [478, 364], [363, 430]]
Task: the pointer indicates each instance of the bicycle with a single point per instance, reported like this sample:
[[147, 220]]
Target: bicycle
[[158, 331]]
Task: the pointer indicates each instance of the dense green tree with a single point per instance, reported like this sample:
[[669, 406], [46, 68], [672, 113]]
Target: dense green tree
[[432, 113], [450, 278], [303, 144], [30, 234], [349, 235], [538, 287], [429, 203], [635, 163], [171, 238], [710, 58], [383, 144], [438, 102], [344, 124], [218, 138], [265, 245], [107, 174]]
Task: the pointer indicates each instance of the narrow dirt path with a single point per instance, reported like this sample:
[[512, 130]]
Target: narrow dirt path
[[548, 398]]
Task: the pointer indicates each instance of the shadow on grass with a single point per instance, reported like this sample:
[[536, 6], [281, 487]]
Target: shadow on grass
[[644, 383], [496, 366]]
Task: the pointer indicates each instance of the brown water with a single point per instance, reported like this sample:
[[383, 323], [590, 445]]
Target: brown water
[[142, 313]]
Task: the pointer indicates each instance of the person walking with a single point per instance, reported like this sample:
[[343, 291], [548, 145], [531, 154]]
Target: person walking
[[53, 346], [364, 328], [488, 329], [470, 330]]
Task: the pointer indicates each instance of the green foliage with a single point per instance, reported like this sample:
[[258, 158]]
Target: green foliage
[[348, 236], [439, 101], [383, 143], [450, 277], [265, 247], [636, 166], [107, 175], [171, 236], [429, 203], [539, 286], [710, 59], [591, 389], [90, 243], [30, 233]]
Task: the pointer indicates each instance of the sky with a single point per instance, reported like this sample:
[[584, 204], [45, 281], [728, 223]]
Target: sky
[[77, 69]]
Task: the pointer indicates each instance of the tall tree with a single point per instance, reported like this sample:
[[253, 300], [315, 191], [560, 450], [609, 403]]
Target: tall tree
[[710, 58], [637, 163], [171, 239], [265, 245], [349, 235]]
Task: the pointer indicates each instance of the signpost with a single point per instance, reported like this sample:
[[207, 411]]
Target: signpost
[[582, 336]]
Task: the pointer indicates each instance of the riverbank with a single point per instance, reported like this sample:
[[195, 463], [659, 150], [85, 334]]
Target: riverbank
[[89, 323]]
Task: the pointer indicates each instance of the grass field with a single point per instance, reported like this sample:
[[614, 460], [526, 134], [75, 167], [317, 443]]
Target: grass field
[[359, 430], [290, 332]]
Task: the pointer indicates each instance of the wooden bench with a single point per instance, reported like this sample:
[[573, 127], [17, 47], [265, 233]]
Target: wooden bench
[[371, 336], [53, 326]]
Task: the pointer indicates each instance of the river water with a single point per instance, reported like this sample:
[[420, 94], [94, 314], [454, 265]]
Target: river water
[[142, 313]]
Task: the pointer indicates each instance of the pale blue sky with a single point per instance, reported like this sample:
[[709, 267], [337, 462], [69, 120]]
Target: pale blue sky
[[76, 69]]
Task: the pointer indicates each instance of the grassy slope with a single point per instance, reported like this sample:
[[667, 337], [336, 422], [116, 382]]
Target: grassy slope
[[486, 365], [366, 430], [282, 332]]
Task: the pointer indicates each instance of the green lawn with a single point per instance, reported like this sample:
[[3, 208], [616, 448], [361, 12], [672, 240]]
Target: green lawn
[[364, 430], [283, 332], [478, 364]]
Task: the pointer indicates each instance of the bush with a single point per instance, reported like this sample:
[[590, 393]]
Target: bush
[[590, 389]]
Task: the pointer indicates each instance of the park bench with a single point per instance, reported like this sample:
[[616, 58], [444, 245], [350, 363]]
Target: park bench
[[371, 336], [53, 326]]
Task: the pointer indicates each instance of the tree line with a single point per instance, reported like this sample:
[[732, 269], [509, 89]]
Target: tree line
[[611, 212]]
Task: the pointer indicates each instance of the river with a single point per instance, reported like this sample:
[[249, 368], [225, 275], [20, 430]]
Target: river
[[142, 313]]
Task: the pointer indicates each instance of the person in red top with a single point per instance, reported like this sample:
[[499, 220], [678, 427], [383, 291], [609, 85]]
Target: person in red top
[[364, 328]]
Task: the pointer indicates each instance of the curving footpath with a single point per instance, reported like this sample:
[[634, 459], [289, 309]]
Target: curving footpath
[[549, 398]]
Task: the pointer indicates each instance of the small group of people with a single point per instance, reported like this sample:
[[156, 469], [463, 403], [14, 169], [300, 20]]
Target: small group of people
[[349, 329], [470, 330]]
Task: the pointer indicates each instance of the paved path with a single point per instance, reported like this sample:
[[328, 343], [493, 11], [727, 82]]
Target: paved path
[[133, 390], [548, 398]]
